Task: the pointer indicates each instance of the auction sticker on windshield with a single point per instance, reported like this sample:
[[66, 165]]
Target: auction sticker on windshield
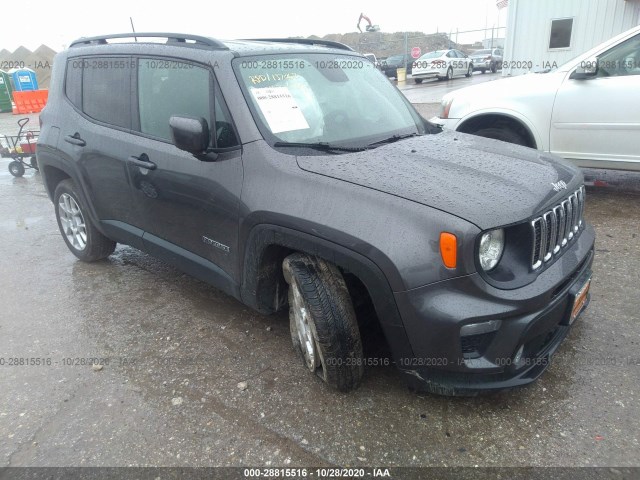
[[280, 109]]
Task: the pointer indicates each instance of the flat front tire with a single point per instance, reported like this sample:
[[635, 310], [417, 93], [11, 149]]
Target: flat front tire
[[80, 235], [323, 324]]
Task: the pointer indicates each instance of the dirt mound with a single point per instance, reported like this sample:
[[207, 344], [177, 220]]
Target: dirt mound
[[386, 44], [40, 61]]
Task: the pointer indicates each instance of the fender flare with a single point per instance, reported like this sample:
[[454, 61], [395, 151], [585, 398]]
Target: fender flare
[[258, 293], [47, 160]]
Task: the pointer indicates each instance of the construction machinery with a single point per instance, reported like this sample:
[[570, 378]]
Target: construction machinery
[[370, 27]]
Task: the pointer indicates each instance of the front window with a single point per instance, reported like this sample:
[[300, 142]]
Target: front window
[[324, 98], [621, 60]]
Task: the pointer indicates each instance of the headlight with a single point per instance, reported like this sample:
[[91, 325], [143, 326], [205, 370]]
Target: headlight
[[491, 248]]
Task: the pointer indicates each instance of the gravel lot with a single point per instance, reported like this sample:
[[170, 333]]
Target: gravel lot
[[175, 350]]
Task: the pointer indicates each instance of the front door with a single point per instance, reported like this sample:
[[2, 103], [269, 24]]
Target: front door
[[185, 205], [596, 121]]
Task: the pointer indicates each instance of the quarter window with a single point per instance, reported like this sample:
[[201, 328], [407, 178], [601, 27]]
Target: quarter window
[[73, 81]]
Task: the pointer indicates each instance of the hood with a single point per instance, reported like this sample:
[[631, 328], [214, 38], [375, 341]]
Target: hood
[[486, 182], [507, 89]]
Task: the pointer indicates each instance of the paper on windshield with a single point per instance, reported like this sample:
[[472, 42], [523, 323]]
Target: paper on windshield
[[280, 109]]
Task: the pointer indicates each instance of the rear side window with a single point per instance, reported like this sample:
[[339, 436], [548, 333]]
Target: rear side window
[[166, 88], [106, 90], [73, 82]]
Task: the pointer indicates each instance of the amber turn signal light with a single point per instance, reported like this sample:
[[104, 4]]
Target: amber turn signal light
[[449, 249]]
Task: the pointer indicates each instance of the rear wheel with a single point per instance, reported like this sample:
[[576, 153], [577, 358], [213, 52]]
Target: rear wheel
[[16, 169], [80, 235], [417, 80], [322, 321], [504, 134], [484, 70]]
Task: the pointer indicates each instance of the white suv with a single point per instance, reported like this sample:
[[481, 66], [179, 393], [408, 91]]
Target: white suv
[[587, 110]]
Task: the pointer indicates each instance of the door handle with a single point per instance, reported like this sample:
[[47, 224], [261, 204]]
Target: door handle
[[75, 140], [142, 161]]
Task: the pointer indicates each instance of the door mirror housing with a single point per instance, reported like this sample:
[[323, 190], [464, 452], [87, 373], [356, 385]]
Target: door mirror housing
[[190, 134], [587, 69]]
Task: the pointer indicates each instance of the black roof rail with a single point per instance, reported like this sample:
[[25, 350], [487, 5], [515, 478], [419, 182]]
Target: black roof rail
[[179, 38], [304, 41]]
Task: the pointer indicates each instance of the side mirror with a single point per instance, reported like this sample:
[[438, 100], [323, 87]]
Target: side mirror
[[586, 69], [190, 133]]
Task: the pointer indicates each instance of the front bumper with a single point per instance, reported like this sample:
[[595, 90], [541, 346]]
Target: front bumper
[[535, 317]]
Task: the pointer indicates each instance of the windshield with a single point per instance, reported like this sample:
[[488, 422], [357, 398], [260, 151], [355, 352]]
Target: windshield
[[312, 98]]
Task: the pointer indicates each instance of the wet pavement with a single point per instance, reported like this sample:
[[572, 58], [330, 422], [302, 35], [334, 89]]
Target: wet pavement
[[173, 351], [432, 90]]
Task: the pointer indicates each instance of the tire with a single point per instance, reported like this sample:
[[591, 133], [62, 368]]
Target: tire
[[469, 71], [450, 74], [16, 169], [323, 324], [80, 235], [504, 134], [484, 70], [418, 80]]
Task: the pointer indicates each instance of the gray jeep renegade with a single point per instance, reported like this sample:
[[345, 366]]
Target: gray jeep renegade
[[293, 174]]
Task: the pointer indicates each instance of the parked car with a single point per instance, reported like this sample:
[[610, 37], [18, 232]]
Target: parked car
[[290, 174], [391, 64], [442, 64], [587, 110], [372, 58], [487, 59]]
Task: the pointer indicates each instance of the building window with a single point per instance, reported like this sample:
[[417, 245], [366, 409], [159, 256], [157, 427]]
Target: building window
[[560, 36]]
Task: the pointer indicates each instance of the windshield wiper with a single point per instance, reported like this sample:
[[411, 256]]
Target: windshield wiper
[[323, 146], [394, 138]]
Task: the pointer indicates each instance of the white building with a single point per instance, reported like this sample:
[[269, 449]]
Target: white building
[[544, 33]]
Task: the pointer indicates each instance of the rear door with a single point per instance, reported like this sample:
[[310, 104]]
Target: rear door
[[186, 205], [95, 133]]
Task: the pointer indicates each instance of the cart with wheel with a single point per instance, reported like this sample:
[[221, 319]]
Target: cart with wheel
[[21, 148]]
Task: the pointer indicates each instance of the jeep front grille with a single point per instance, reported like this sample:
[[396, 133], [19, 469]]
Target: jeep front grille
[[555, 228]]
